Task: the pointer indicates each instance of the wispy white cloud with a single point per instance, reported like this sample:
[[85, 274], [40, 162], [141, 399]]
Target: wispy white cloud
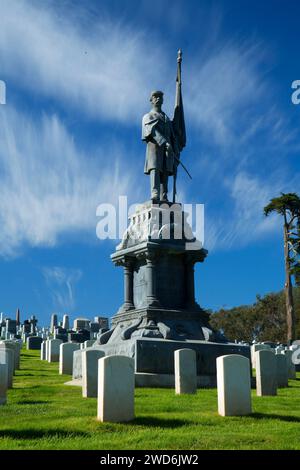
[[223, 85], [48, 186], [108, 71], [105, 71], [61, 282], [244, 221], [244, 140]]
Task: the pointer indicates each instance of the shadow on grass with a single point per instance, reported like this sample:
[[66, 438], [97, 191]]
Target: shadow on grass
[[289, 419], [34, 386], [36, 372], [158, 422], [34, 402], [40, 434], [27, 374], [34, 375]]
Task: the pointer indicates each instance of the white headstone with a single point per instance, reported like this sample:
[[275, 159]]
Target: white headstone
[[18, 344], [282, 370], [81, 323], [66, 322], [3, 383], [77, 365], [66, 357], [15, 346], [9, 346], [43, 351], [291, 369], [53, 352], [185, 371], [257, 347], [266, 373], [4, 359], [279, 349], [54, 322], [7, 357], [90, 372], [47, 349], [115, 389], [234, 385]]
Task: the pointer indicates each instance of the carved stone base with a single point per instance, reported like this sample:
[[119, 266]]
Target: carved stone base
[[149, 322], [156, 356]]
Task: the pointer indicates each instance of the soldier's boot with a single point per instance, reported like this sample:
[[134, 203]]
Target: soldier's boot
[[164, 187]]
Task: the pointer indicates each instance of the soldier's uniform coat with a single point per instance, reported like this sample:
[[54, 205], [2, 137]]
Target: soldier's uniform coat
[[157, 130]]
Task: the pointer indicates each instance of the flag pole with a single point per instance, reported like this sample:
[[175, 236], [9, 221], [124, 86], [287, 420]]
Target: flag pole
[[177, 104]]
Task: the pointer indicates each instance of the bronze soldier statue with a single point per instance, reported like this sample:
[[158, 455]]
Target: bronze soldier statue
[[165, 139], [159, 135]]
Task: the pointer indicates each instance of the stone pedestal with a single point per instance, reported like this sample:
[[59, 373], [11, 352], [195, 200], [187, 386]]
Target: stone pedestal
[[159, 314]]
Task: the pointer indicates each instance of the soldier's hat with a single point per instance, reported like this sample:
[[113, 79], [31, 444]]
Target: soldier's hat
[[156, 93]]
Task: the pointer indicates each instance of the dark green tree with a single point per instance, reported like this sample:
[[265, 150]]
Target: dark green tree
[[288, 206], [265, 320]]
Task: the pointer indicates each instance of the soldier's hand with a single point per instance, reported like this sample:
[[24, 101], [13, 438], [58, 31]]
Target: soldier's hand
[[169, 148]]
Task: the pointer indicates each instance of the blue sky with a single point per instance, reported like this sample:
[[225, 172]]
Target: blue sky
[[78, 76]]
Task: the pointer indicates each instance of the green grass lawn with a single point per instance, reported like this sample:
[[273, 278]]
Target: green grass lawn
[[43, 413]]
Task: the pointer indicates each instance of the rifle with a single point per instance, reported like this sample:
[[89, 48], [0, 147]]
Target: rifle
[[175, 176], [184, 167]]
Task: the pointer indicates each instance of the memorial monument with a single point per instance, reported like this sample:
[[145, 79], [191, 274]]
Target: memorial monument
[[158, 253]]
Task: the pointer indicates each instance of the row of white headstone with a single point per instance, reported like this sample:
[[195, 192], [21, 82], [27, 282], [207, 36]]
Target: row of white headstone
[[289, 350], [10, 351], [115, 381], [40, 332], [234, 377], [55, 350], [111, 378]]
